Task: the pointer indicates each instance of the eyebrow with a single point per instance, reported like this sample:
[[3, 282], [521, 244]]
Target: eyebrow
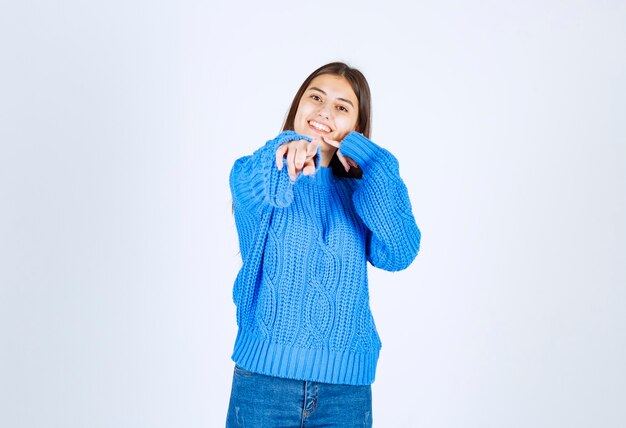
[[313, 88]]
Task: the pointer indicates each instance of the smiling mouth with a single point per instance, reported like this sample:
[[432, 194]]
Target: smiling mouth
[[319, 126]]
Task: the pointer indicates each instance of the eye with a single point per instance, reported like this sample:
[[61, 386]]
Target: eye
[[342, 108], [316, 97]]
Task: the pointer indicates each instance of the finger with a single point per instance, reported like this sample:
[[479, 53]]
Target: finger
[[309, 168], [343, 161], [312, 148], [351, 161], [301, 154], [291, 167], [314, 141], [280, 153], [333, 143]]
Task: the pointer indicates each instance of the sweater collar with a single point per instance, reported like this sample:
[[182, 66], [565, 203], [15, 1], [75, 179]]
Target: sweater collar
[[324, 175]]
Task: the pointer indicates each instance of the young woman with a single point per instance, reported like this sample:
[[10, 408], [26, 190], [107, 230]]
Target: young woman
[[312, 207]]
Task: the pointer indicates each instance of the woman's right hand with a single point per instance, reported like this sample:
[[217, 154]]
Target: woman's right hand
[[300, 157]]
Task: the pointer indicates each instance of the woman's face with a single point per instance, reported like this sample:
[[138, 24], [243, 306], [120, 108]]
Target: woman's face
[[328, 108]]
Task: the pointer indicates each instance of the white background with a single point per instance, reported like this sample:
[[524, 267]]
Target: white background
[[119, 122]]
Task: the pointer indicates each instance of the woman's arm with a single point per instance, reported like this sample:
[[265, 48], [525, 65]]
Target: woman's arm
[[382, 201]]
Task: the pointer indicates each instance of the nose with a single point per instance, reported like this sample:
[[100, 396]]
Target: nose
[[323, 113]]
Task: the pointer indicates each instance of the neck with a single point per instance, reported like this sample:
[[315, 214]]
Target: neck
[[326, 156]]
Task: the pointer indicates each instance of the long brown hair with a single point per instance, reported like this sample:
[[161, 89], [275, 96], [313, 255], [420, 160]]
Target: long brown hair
[[361, 90]]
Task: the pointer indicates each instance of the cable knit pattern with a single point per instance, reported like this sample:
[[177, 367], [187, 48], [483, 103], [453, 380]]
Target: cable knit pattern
[[302, 295]]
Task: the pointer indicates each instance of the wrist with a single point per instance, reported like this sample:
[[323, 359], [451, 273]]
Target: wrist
[[361, 149]]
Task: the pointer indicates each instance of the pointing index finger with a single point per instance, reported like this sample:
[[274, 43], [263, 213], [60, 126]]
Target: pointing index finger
[[333, 143], [312, 147]]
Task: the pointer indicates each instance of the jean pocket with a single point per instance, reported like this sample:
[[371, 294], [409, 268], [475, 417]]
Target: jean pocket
[[243, 372]]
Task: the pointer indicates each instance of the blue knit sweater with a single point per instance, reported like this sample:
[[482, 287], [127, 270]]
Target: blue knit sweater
[[302, 292]]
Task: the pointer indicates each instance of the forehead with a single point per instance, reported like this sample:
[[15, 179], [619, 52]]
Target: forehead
[[334, 86]]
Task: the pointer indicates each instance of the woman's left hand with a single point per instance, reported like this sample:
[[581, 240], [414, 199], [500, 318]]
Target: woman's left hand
[[345, 160]]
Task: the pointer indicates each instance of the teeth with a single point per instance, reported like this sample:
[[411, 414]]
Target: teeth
[[320, 126]]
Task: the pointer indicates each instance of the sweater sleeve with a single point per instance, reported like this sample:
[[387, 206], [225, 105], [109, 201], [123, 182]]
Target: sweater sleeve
[[382, 201], [255, 181]]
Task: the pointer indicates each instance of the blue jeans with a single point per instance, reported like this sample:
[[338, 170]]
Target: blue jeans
[[259, 401]]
